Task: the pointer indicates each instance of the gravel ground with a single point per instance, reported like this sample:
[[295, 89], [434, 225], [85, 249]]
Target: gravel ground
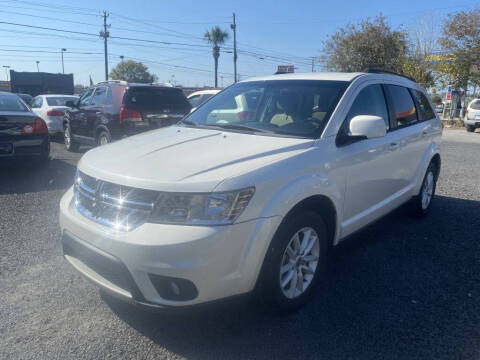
[[401, 289]]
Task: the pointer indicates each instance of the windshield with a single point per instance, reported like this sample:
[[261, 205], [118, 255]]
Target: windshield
[[475, 105], [284, 107], [12, 103], [60, 100]]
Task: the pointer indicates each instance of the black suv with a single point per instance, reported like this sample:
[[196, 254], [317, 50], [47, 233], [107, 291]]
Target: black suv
[[114, 109]]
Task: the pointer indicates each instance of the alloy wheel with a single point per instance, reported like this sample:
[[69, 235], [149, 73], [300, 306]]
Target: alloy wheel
[[427, 190], [299, 262]]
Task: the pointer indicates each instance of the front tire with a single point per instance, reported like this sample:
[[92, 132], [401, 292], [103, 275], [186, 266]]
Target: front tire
[[294, 263], [421, 203]]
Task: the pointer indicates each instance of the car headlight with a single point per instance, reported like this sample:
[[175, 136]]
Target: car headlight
[[220, 208]]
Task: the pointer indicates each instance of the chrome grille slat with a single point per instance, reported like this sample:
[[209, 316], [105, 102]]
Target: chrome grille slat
[[117, 206]]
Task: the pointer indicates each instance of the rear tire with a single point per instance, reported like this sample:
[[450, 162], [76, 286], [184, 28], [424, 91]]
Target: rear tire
[[470, 128], [421, 203], [70, 144], [290, 273], [103, 138]]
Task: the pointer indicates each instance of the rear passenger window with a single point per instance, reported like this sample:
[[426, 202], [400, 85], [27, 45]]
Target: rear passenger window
[[403, 105], [370, 101], [425, 111]]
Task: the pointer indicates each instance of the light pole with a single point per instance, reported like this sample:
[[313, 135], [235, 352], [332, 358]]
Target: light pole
[[38, 62], [6, 70], [63, 67], [121, 58]]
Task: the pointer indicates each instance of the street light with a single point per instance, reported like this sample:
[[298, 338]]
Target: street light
[[38, 62], [6, 70], [63, 67], [121, 58]]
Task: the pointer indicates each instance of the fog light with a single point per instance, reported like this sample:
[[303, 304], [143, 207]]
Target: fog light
[[170, 288]]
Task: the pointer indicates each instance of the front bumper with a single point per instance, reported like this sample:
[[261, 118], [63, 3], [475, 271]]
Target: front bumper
[[219, 262]]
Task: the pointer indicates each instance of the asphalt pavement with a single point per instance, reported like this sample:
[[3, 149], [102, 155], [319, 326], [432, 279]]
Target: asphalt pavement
[[403, 288]]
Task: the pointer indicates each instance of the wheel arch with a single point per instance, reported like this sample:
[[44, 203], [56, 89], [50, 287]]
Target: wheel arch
[[323, 206]]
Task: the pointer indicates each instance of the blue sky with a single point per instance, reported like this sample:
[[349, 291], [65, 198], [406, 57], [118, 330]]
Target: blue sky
[[269, 33]]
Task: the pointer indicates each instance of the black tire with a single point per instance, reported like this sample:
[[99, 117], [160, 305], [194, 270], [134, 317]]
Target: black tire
[[418, 207], [70, 144], [269, 287], [103, 138], [470, 128]]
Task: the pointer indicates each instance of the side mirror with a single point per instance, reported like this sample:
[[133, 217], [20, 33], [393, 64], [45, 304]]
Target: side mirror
[[71, 103], [367, 126]]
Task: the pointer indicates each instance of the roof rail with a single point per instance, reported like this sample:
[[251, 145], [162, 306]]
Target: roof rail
[[123, 82], [382, 71]]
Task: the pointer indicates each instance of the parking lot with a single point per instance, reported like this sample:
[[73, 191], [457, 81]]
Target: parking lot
[[401, 289]]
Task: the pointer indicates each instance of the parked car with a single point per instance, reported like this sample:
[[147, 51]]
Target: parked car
[[116, 109], [25, 97], [51, 108], [23, 135], [197, 98], [209, 209], [472, 115]]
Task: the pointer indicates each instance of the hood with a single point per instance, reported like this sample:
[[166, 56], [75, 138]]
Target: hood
[[185, 159]]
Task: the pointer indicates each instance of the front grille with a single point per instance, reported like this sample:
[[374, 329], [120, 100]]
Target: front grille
[[117, 206]]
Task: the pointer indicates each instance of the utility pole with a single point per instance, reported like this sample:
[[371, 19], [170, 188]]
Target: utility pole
[[313, 63], [121, 58], [63, 67], [234, 28], [105, 34], [6, 70], [38, 62]]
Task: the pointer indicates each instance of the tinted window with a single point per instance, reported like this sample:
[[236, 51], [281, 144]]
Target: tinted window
[[59, 100], [12, 103], [425, 111], [287, 107], [157, 99], [475, 105], [85, 99], [100, 96], [370, 101], [403, 106]]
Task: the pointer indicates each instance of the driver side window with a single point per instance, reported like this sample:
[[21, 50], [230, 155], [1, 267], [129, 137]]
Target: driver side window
[[370, 101], [85, 99]]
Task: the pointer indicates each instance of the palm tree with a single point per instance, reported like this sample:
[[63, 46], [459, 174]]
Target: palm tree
[[217, 37]]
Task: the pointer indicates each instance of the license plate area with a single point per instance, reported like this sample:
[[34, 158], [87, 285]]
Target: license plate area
[[6, 149]]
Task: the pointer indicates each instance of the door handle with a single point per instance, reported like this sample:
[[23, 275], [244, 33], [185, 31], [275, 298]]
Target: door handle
[[393, 146]]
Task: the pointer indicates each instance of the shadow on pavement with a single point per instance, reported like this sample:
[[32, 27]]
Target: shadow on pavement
[[402, 288], [20, 178]]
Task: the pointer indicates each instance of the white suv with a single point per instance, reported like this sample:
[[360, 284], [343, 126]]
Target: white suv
[[205, 210]]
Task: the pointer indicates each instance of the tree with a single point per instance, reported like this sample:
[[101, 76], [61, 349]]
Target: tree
[[132, 71], [371, 44], [217, 37], [421, 45], [461, 38]]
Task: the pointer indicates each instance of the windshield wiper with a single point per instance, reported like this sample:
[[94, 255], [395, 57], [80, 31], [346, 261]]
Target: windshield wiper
[[187, 122], [240, 127]]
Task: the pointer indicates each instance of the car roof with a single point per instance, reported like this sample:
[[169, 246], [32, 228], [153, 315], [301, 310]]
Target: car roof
[[202, 92], [331, 76]]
